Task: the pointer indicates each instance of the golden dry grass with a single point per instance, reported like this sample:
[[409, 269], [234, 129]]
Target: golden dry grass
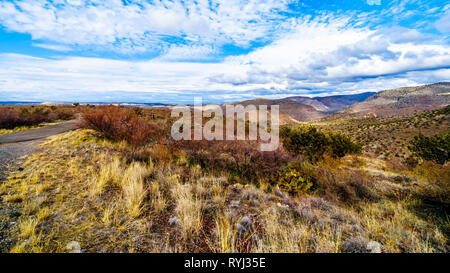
[[81, 188]]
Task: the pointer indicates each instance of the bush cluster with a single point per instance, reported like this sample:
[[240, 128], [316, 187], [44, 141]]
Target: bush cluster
[[118, 123], [291, 180], [11, 118], [242, 159], [314, 144], [435, 148]]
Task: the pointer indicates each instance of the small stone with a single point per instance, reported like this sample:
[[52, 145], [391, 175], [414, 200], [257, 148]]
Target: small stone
[[355, 245], [73, 247], [241, 230], [246, 222], [373, 247], [174, 221]]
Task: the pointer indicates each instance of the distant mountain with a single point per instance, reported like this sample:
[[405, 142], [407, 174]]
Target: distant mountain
[[406, 99], [302, 108], [290, 108], [332, 103]]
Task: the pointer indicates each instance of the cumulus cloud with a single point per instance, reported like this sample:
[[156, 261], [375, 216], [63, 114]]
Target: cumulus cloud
[[327, 53], [374, 2], [332, 52], [443, 24], [126, 26]]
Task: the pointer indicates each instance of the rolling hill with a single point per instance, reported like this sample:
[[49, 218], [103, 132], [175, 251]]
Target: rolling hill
[[404, 100], [332, 103], [288, 109]]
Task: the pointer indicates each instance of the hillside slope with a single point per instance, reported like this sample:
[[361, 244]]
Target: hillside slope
[[332, 103], [293, 109], [404, 100]]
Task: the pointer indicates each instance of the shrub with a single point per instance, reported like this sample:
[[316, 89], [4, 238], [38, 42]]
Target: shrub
[[411, 161], [313, 144], [342, 144], [291, 180], [435, 148], [10, 119], [241, 159], [21, 116], [118, 123]]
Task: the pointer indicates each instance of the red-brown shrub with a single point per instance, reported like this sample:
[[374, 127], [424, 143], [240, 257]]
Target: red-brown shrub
[[118, 123], [242, 159], [26, 116], [10, 118]]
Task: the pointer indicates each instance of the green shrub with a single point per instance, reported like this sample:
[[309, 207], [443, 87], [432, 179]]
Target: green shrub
[[313, 144], [342, 144], [291, 180], [435, 148], [411, 161]]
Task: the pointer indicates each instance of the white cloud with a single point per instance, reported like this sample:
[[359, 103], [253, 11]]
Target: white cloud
[[53, 47], [192, 52], [329, 53], [443, 24], [143, 25], [374, 2]]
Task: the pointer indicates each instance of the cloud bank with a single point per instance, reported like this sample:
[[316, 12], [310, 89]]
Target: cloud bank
[[280, 50]]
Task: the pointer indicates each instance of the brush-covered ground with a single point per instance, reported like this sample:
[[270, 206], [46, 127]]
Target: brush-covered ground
[[92, 191], [19, 118], [387, 136]]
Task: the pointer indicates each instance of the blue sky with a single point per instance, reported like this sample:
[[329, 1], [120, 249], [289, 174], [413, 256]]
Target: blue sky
[[170, 51]]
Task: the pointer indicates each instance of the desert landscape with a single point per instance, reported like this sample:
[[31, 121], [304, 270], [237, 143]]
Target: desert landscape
[[225, 135], [355, 174]]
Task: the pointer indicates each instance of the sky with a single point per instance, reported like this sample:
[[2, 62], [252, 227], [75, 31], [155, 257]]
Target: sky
[[230, 50]]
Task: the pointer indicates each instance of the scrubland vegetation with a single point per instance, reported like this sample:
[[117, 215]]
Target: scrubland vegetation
[[388, 136], [18, 118], [121, 184]]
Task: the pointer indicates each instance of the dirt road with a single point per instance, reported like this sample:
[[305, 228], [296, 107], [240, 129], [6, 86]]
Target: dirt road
[[14, 146]]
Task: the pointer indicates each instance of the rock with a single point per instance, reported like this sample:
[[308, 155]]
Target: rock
[[373, 247], [174, 221], [73, 247], [246, 222], [241, 230], [355, 245]]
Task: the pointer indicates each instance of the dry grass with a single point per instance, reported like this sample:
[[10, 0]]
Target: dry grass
[[189, 209], [226, 235], [82, 187], [133, 187]]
